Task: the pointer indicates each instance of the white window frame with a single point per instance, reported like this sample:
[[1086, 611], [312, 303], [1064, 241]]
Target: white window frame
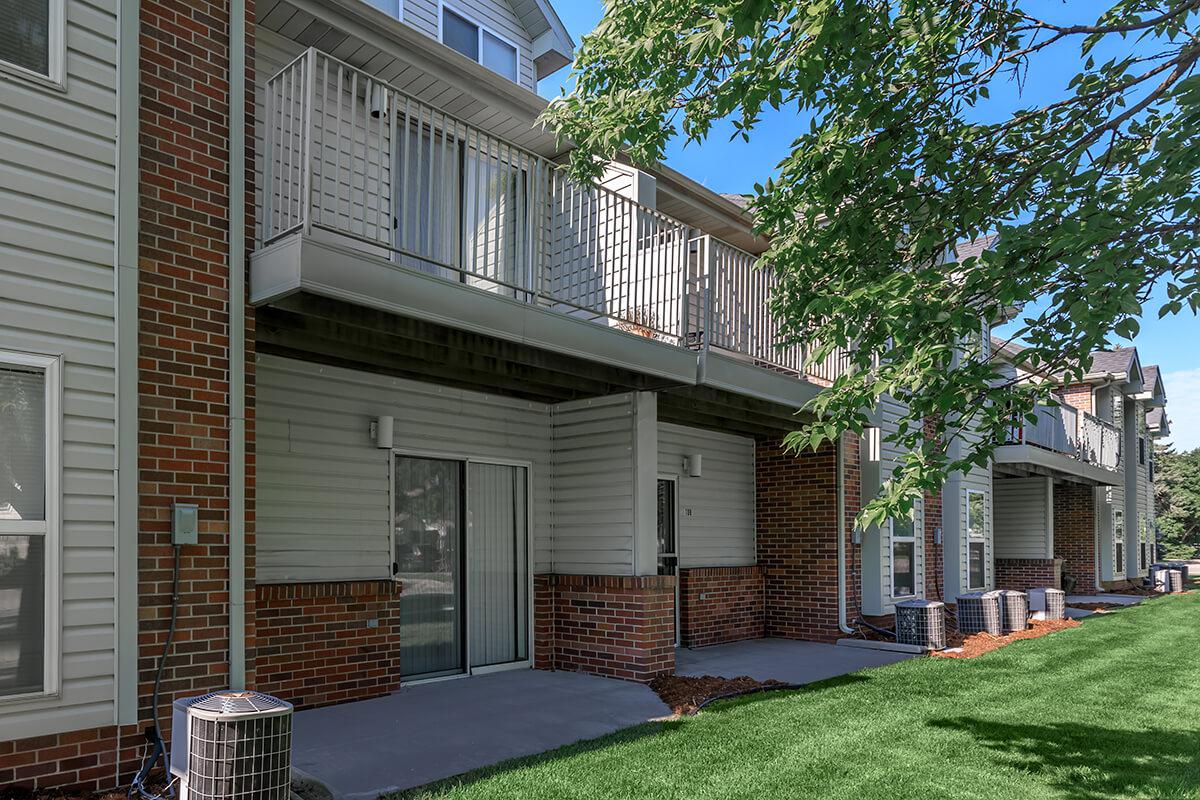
[[49, 528], [1119, 539], [480, 28], [893, 539], [56, 58], [970, 537]]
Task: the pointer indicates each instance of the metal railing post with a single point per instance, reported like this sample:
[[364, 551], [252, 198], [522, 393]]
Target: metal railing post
[[310, 91]]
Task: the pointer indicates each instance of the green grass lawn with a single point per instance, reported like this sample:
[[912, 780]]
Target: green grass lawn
[[1102, 711]]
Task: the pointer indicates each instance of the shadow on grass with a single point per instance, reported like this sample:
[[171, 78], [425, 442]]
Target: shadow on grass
[[1088, 762], [436, 789]]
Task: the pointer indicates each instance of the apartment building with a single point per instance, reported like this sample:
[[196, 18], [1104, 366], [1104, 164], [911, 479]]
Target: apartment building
[[306, 274], [1074, 492]]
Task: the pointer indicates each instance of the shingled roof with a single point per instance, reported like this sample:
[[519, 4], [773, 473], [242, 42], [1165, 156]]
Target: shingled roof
[[1111, 362]]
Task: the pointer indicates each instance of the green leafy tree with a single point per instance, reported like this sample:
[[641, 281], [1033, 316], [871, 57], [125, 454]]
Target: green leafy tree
[[899, 155], [1177, 501]]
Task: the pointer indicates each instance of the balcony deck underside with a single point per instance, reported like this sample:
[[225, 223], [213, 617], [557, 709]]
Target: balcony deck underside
[[330, 303], [1026, 460]]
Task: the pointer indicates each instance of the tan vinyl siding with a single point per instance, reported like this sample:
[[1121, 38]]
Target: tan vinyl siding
[[1022, 518], [593, 486], [57, 282], [716, 510], [323, 486]]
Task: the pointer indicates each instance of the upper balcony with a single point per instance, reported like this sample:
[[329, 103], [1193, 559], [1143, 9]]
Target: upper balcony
[[373, 197], [1065, 442]]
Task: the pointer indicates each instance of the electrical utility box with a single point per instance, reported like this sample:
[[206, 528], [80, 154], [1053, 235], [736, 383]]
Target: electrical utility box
[[185, 523]]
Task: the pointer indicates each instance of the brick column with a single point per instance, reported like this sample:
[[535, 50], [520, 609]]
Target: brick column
[[183, 347], [796, 517], [610, 625], [1075, 533]]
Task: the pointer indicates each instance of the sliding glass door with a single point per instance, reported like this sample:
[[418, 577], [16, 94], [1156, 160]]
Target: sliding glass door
[[462, 555], [429, 563]]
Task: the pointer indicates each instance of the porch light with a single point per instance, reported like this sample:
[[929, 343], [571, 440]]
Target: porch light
[[382, 432], [692, 464]]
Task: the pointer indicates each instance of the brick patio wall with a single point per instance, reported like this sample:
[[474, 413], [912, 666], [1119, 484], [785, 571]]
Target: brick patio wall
[[325, 643], [1075, 533], [1023, 574], [610, 625], [720, 604], [796, 516]]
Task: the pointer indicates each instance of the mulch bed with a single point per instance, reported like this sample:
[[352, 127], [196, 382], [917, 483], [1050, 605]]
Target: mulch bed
[[979, 643], [685, 694]]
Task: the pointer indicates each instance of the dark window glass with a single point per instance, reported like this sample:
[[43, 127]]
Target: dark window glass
[[22, 614], [499, 56], [667, 558], [460, 34], [903, 569], [975, 565], [25, 34]]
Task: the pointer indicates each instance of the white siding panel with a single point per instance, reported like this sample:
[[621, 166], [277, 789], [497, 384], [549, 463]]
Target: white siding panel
[[57, 214], [593, 485], [716, 510], [1022, 519], [323, 487]]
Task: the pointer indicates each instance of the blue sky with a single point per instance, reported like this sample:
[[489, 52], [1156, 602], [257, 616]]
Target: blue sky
[[734, 166]]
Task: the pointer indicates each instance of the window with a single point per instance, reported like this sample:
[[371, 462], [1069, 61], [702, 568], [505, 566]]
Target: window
[[976, 539], [31, 38], [28, 523], [904, 557], [479, 44], [1141, 449]]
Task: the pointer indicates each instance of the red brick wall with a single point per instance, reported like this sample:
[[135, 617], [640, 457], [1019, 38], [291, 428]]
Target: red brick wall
[[1078, 395], [796, 516], [1075, 533], [89, 760], [324, 643], [183, 291], [1023, 574], [615, 626], [935, 572], [720, 604]]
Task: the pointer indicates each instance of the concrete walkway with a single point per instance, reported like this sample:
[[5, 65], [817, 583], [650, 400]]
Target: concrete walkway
[[1111, 599], [435, 730], [782, 659]]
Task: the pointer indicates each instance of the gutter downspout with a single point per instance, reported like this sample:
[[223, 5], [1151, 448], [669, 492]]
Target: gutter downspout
[[840, 467], [237, 344]]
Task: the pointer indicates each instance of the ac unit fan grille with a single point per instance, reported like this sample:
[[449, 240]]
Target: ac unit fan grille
[[978, 612], [1014, 611], [921, 623], [240, 759]]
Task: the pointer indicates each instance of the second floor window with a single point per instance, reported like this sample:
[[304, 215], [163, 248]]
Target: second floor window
[[479, 44], [31, 38]]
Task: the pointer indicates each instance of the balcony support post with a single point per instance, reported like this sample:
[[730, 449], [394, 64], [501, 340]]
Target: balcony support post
[[310, 99]]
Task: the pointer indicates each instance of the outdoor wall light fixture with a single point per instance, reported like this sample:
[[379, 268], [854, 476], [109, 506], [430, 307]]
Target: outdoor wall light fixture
[[693, 464], [382, 432]]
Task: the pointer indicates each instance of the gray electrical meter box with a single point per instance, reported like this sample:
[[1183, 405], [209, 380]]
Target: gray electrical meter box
[[185, 523]]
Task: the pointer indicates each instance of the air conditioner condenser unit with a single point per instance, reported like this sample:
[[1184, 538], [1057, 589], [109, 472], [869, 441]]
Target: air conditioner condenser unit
[[1014, 611], [232, 745], [978, 612], [1047, 603], [922, 623]]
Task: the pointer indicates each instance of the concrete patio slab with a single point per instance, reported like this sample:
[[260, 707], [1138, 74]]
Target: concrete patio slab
[[1114, 599], [781, 659], [436, 730]]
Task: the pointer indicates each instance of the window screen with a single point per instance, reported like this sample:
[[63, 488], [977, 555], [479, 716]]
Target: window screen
[[22, 443], [975, 560], [22, 553], [460, 34], [499, 56], [903, 568], [25, 34]]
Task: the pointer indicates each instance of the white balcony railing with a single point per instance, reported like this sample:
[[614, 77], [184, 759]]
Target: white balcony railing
[[349, 155], [1067, 430]]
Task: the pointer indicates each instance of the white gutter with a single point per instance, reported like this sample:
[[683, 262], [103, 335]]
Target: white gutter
[[237, 344], [840, 467]]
